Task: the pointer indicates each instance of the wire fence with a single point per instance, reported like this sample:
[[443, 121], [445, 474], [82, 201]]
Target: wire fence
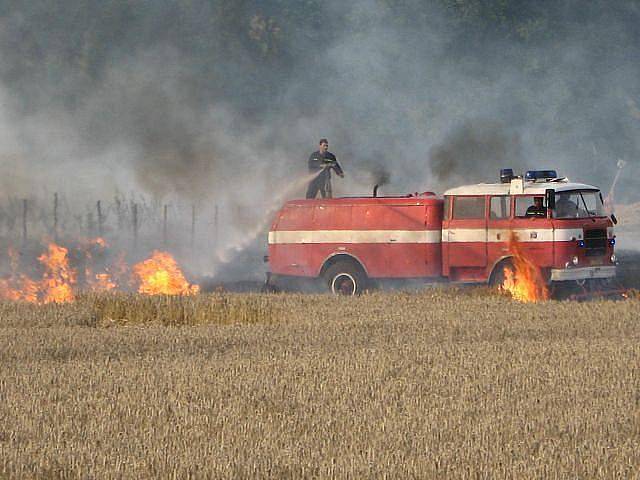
[[135, 224]]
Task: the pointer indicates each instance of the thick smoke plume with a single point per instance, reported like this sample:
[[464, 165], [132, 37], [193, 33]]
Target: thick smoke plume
[[219, 103], [473, 150]]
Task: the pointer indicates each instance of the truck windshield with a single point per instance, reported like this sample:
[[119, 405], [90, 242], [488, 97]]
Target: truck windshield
[[578, 204]]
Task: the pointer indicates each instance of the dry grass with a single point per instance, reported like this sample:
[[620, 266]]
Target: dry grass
[[437, 384]]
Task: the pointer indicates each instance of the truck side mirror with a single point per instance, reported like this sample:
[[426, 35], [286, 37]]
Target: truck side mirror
[[551, 198], [614, 219]]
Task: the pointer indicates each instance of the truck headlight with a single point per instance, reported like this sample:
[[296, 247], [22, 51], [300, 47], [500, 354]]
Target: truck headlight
[[574, 260], [613, 258]]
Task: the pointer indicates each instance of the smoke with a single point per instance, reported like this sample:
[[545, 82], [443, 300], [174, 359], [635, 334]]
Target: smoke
[[474, 149], [381, 175], [220, 103]]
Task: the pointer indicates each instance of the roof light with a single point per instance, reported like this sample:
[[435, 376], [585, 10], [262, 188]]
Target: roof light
[[506, 174], [533, 175]]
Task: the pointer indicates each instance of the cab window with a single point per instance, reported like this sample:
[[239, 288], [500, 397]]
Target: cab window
[[468, 208], [530, 206], [578, 204], [500, 207]]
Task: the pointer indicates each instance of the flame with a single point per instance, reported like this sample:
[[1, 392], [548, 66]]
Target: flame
[[18, 287], [21, 289], [524, 282], [161, 275], [101, 282], [58, 277], [97, 282], [158, 275]]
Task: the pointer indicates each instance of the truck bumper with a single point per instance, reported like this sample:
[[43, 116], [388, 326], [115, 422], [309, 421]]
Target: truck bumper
[[583, 273]]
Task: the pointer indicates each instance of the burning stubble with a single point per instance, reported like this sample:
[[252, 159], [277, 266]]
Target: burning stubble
[[61, 282]]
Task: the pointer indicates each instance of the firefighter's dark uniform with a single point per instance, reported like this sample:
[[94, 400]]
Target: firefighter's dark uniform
[[322, 163], [535, 211]]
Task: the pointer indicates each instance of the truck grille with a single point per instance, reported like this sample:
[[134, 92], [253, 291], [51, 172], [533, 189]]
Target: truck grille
[[595, 242]]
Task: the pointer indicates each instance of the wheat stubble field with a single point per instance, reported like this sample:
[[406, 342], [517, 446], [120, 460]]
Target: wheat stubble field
[[442, 383]]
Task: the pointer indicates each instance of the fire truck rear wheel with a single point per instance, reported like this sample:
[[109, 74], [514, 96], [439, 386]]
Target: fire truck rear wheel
[[345, 278]]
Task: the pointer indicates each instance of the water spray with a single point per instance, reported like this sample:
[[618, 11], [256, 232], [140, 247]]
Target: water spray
[[228, 253]]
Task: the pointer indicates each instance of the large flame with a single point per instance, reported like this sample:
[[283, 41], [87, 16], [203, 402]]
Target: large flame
[[524, 282], [58, 278], [160, 275]]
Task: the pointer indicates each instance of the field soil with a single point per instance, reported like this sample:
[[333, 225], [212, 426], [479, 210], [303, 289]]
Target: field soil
[[441, 383]]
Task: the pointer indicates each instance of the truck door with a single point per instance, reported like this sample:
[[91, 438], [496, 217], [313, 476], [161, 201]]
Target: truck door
[[498, 228], [533, 228], [467, 232]]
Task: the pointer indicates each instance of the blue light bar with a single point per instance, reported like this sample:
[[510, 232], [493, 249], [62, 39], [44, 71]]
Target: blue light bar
[[612, 241], [533, 175], [581, 243]]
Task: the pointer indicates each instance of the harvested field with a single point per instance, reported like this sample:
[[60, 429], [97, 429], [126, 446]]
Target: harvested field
[[438, 383]]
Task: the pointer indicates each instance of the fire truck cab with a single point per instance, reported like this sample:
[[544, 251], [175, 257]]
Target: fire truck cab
[[560, 225]]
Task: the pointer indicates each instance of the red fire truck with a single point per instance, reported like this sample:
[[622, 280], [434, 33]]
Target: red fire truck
[[461, 237]]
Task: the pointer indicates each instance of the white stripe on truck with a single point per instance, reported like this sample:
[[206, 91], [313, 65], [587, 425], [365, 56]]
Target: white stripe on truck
[[469, 235], [353, 236], [452, 235]]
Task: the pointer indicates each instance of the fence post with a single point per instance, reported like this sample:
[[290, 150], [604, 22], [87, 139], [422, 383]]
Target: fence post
[[120, 214], [100, 218]]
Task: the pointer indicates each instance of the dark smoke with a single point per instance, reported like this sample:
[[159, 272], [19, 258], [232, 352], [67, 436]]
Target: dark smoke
[[381, 175], [475, 152]]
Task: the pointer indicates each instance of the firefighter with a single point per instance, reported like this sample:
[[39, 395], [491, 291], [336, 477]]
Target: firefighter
[[565, 207], [537, 209], [322, 161]]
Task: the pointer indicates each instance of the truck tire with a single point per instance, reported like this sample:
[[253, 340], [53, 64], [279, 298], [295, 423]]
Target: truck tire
[[345, 278], [497, 276]]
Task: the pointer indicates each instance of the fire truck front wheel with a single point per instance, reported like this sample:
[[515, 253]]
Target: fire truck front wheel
[[497, 277], [345, 278]]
